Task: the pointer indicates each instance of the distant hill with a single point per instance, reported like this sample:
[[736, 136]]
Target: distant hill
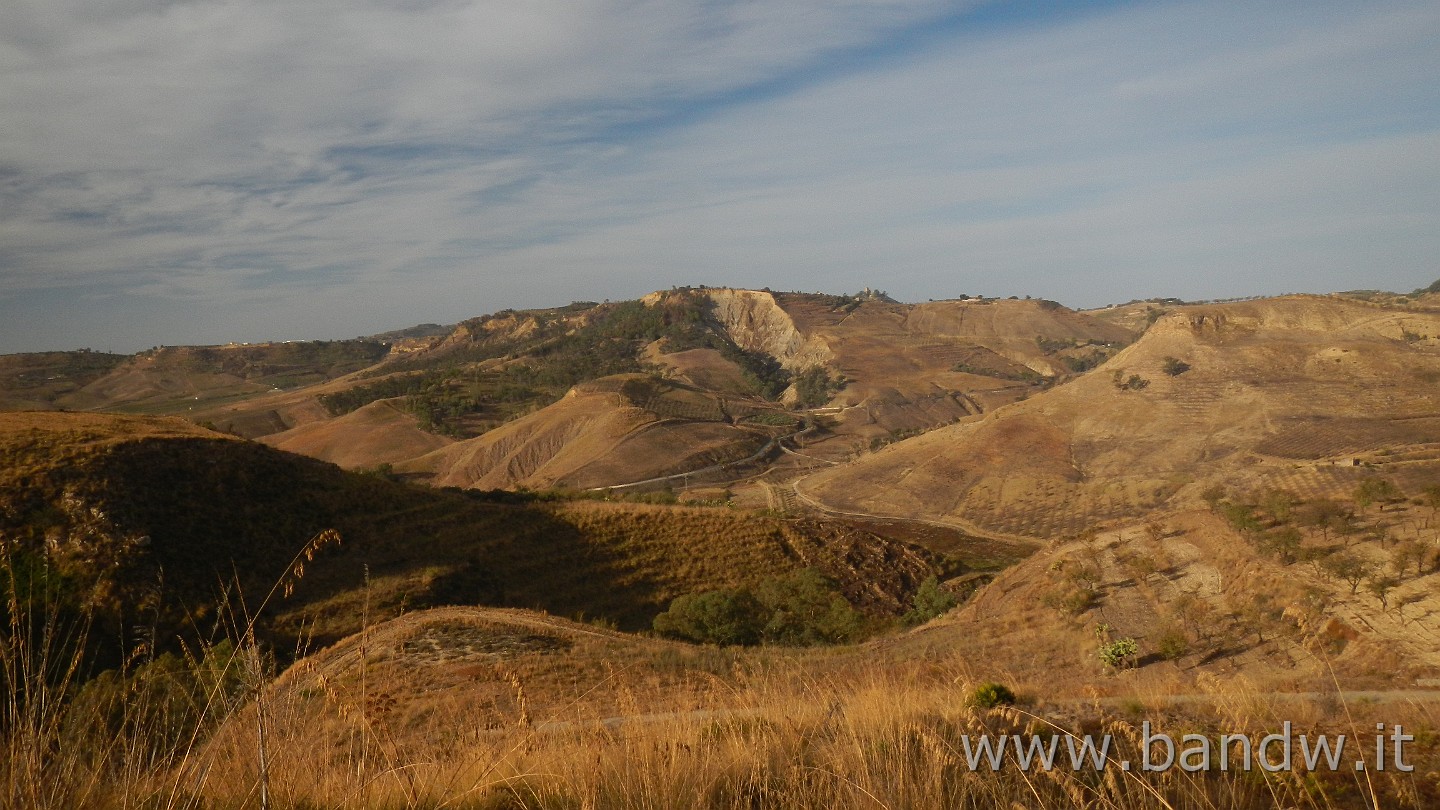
[[615, 430], [176, 380], [40, 380], [423, 330], [516, 397], [884, 369], [1289, 391]]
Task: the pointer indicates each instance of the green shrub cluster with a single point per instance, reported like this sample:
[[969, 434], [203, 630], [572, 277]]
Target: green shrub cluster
[[814, 387], [1118, 653], [1021, 374], [798, 610], [931, 600], [1132, 383], [990, 695], [161, 707]]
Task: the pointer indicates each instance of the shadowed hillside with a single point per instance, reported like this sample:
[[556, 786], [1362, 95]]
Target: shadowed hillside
[[155, 516]]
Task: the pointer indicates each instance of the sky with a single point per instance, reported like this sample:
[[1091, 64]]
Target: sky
[[207, 171]]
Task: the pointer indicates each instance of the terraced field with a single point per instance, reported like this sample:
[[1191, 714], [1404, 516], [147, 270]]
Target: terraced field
[[1318, 437]]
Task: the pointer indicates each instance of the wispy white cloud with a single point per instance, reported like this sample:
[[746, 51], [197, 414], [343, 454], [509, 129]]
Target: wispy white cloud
[[324, 168]]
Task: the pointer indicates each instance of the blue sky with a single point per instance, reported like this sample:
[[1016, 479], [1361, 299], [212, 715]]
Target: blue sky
[[207, 171]]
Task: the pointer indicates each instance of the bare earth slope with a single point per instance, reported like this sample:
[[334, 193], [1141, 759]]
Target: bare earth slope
[[615, 430], [378, 433], [1276, 390], [912, 366]]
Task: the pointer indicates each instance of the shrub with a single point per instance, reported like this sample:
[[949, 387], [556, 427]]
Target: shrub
[[1132, 383], [1085, 362], [931, 600], [801, 609], [805, 608], [1071, 602], [716, 617], [1213, 495], [990, 695], [1172, 644], [1118, 653], [814, 388], [1174, 366]]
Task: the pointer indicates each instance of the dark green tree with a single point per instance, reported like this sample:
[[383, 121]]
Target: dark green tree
[[805, 608], [723, 617], [931, 600]]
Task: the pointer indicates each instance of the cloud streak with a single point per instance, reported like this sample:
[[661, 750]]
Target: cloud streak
[[205, 171]]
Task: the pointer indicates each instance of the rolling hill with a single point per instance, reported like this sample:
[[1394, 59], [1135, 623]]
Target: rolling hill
[[153, 517], [516, 388], [1230, 524], [1295, 392]]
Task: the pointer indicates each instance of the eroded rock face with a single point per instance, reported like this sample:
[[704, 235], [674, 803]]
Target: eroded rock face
[[756, 322]]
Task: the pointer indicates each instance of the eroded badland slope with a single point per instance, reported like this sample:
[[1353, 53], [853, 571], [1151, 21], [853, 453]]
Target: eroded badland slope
[[517, 389], [1283, 392]]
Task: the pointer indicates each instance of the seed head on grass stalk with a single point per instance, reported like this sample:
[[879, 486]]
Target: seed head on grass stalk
[[251, 664], [42, 651]]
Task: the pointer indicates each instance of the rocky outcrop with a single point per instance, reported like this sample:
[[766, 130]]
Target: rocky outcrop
[[756, 322]]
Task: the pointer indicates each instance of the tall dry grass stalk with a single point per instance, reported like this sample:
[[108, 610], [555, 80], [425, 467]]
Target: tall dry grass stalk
[[127, 738], [41, 656]]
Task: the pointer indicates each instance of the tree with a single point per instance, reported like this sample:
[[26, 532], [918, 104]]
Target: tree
[[1325, 515], [1193, 613], [721, 617], [1282, 543], [1431, 498], [1406, 554], [1375, 489], [1348, 567], [1279, 503], [1240, 517], [1139, 566], [931, 600], [805, 608], [1380, 586], [1258, 613]]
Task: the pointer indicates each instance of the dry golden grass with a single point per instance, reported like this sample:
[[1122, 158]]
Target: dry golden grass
[[476, 708], [763, 729]]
